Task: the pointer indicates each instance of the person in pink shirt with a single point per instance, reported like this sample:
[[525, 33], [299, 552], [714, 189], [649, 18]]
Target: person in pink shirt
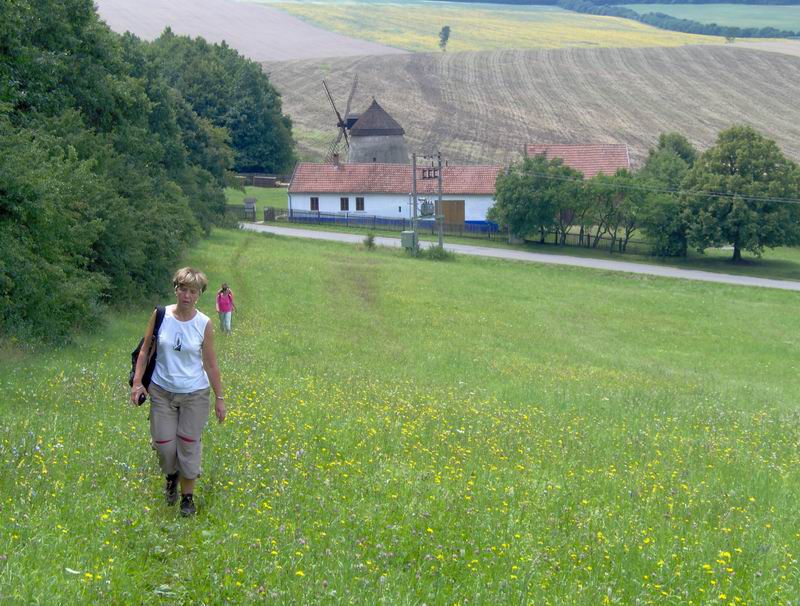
[[225, 307]]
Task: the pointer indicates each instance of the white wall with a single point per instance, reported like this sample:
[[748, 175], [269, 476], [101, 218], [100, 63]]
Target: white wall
[[382, 205], [397, 206], [475, 207]]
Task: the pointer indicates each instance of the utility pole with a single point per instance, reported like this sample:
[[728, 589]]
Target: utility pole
[[414, 198], [439, 210], [414, 191]]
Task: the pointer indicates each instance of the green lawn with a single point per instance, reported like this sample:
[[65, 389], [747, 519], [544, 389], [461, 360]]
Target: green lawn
[[265, 196], [779, 263], [403, 431], [736, 15]]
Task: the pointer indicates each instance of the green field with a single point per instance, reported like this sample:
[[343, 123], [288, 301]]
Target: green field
[[403, 431], [781, 263], [275, 197], [735, 15], [415, 26]]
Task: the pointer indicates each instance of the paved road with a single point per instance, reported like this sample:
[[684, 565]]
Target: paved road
[[518, 255]]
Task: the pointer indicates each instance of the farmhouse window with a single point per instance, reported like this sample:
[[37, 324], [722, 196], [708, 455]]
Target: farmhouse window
[[344, 204], [315, 203], [359, 203]]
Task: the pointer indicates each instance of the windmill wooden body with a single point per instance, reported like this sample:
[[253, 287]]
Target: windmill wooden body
[[373, 136]]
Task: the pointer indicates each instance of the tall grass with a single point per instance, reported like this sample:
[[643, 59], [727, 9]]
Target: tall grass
[[402, 431]]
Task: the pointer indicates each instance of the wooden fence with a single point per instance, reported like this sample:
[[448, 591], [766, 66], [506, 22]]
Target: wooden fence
[[240, 211], [260, 180]]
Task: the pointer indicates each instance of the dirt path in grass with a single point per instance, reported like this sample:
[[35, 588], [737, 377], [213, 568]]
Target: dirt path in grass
[[259, 32], [518, 255]]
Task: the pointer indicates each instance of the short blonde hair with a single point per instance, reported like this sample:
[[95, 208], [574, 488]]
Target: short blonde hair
[[190, 277]]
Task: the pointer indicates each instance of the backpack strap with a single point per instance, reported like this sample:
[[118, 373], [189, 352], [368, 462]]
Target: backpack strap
[[160, 311]]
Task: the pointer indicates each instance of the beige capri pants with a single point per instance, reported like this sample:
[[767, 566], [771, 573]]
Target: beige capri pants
[[176, 426]]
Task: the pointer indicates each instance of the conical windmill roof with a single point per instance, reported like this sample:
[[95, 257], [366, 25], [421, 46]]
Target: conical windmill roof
[[375, 122]]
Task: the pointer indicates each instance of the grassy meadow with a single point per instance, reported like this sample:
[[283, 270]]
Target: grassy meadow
[[782, 263], [403, 431], [415, 26], [783, 17]]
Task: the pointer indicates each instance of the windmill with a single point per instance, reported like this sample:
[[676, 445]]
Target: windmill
[[343, 124]]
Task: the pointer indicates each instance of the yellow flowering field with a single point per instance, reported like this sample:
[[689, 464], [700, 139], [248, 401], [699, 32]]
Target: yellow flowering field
[[415, 26], [404, 431]]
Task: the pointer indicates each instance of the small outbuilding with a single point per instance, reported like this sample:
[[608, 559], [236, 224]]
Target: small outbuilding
[[589, 159]]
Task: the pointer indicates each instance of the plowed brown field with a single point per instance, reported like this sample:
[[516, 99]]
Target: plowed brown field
[[483, 106]]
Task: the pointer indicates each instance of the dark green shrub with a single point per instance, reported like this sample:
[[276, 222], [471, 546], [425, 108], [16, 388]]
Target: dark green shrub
[[438, 253]]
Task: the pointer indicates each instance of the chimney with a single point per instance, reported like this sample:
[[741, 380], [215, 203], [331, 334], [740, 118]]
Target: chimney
[[336, 159]]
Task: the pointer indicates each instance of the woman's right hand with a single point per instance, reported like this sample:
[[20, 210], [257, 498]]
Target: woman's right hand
[[136, 392]]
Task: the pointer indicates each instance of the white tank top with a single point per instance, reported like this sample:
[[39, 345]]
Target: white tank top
[[179, 364]]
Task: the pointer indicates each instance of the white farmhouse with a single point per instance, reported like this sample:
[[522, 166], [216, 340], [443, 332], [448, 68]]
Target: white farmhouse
[[384, 190]]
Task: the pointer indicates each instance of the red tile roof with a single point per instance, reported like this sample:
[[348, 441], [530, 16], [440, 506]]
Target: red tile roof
[[376, 178], [588, 159]]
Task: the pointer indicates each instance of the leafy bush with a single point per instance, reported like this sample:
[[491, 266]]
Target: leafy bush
[[438, 253]]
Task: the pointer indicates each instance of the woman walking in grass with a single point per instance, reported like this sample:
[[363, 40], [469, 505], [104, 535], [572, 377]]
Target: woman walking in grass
[[179, 390], [225, 307]]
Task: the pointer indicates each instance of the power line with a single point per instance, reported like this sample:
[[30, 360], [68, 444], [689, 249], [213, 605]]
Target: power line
[[709, 194]]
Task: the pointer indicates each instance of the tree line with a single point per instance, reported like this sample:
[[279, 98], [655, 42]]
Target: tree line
[[609, 8], [114, 153], [742, 192]]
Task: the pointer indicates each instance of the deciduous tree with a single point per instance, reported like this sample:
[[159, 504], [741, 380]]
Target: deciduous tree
[[662, 214], [615, 203], [444, 37], [230, 92], [530, 196], [743, 192]]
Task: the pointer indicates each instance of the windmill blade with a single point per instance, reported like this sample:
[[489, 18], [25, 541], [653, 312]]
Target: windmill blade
[[333, 148], [340, 122], [350, 98]]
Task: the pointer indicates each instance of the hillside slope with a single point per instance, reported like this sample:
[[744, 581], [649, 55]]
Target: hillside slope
[[483, 106]]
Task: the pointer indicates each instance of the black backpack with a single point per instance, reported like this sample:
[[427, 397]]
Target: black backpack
[[151, 363]]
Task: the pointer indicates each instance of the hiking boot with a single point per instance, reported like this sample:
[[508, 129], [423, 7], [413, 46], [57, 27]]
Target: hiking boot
[[171, 489], [187, 506]]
